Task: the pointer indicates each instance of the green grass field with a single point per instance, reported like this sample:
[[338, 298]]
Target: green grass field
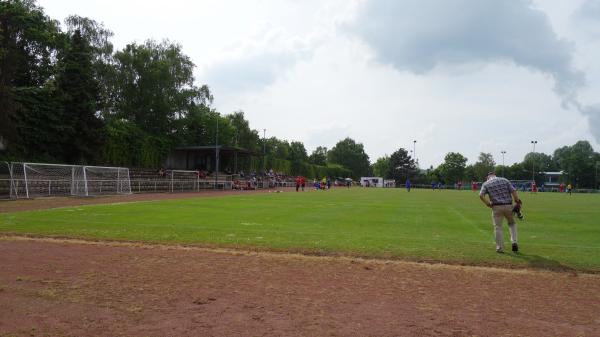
[[560, 232]]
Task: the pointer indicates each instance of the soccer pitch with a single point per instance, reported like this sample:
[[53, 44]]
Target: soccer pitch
[[560, 232]]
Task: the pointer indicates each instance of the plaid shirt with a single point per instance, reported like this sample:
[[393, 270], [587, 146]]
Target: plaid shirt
[[499, 190]]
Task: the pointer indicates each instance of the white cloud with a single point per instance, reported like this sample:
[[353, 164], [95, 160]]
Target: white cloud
[[467, 76], [420, 35]]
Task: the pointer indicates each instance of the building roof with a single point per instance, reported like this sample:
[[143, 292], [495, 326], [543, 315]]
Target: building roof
[[211, 148]]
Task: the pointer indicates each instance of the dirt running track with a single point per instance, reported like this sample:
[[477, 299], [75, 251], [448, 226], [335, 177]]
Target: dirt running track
[[75, 288]]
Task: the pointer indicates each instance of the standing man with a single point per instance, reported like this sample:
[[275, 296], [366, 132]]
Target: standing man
[[408, 184], [501, 194]]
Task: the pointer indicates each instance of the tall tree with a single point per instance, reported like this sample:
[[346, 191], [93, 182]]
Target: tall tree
[[318, 156], [485, 164], [155, 86], [79, 94], [97, 38], [381, 167], [579, 162], [402, 166], [28, 44], [244, 136], [540, 162], [298, 152], [350, 155], [453, 168]]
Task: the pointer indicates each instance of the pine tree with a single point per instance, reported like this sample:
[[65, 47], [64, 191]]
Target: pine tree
[[79, 94]]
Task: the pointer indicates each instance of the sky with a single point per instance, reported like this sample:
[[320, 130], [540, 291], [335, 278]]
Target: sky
[[464, 76]]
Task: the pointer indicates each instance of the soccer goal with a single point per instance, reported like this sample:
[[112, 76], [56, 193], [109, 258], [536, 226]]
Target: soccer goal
[[101, 180], [32, 180], [184, 181], [189, 181]]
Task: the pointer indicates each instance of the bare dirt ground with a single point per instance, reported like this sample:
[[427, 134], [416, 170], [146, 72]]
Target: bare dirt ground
[[54, 202], [54, 287], [51, 287]]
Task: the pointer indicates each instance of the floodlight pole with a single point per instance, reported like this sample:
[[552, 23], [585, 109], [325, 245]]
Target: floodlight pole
[[264, 150], [596, 178], [533, 161], [415, 151], [217, 155], [236, 152], [503, 153]]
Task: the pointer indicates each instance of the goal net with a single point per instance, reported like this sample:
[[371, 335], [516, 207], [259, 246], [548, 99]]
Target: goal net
[[189, 181], [98, 180], [32, 180], [184, 181]]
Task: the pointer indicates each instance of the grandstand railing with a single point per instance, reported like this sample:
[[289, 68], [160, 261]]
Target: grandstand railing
[[151, 185]]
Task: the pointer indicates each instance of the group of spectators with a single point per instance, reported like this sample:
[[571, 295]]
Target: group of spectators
[[266, 179]]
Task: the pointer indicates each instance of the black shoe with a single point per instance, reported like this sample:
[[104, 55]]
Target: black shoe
[[515, 247]]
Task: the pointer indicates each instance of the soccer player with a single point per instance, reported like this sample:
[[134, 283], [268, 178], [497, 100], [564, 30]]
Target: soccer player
[[501, 195], [407, 184]]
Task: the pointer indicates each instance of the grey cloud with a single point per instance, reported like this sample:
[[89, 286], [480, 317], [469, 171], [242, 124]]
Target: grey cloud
[[418, 35], [589, 10]]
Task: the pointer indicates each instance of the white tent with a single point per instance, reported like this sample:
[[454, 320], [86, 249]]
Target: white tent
[[371, 181]]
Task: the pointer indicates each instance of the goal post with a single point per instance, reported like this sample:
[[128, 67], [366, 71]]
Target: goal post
[[190, 181], [34, 180], [31, 180], [103, 180], [185, 181]]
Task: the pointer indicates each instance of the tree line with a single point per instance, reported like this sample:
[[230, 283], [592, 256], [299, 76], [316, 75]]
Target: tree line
[[68, 97], [579, 163]]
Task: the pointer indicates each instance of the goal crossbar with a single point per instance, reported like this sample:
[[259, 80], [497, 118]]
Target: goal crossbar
[[29, 180]]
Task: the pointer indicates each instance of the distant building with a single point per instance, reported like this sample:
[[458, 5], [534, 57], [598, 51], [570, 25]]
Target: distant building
[[371, 181], [552, 179], [389, 183], [210, 158]]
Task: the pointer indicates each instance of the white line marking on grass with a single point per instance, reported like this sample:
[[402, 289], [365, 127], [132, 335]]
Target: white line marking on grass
[[333, 234], [460, 215]]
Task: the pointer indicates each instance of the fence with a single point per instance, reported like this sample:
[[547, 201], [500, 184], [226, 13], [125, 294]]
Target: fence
[[20, 180], [31, 180], [5, 180]]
